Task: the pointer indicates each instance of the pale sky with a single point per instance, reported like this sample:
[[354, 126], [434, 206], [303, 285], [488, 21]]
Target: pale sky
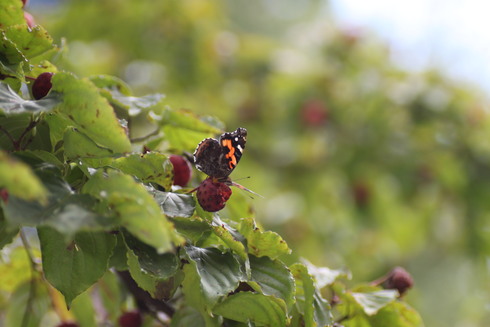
[[453, 35]]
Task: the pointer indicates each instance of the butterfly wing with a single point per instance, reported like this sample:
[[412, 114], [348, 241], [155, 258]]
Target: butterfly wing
[[233, 145], [208, 158], [219, 158]]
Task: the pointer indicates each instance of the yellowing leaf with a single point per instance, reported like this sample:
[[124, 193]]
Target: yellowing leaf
[[262, 243], [84, 108], [19, 179]]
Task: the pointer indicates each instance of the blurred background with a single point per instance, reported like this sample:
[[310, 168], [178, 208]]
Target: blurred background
[[369, 134]]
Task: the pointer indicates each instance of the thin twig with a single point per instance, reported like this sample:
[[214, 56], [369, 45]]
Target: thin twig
[[29, 127], [143, 299], [8, 134], [17, 143]]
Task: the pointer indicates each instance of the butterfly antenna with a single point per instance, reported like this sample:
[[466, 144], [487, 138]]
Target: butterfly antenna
[[242, 178], [246, 189]]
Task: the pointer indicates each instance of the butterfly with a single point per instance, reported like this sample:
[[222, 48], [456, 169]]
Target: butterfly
[[218, 158]]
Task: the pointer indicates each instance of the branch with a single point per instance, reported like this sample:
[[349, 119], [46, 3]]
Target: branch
[[144, 300], [29, 127]]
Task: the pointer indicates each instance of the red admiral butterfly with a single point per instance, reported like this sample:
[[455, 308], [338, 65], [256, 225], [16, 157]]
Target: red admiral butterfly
[[218, 158]]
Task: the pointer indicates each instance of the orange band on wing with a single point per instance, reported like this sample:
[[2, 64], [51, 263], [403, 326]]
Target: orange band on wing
[[231, 154]]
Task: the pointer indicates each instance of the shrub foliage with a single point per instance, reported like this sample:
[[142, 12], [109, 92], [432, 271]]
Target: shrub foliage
[[85, 173]]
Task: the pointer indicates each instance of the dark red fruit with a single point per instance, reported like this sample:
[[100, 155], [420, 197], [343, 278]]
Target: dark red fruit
[[42, 85], [182, 170], [4, 195], [398, 279], [212, 194], [68, 324], [29, 19], [24, 2], [361, 194], [314, 113], [131, 319]]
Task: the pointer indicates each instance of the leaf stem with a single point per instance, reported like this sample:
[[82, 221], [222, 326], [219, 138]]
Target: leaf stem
[[17, 143], [27, 247], [32, 286]]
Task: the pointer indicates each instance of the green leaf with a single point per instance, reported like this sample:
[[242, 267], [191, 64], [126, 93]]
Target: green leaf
[[175, 204], [42, 155], [194, 295], [73, 268], [18, 315], [12, 104], [135, 207], [7, 233], [182, 128], [111, 83], [83, 309], [185, 119], [65, 211], [273, 277], [151, 167], [398, 314], [119, 258], [325, 276], [79, 145], [137, 105], [89, 112], [219, 273], [19, 180], [309, 302], [261, 243], [31, 42], [57, 126], [152, 271], [11, 13], [192, 228], [180, 138], [262, 310], [44, 65], [372, 302], [230, 237], [187, 317]]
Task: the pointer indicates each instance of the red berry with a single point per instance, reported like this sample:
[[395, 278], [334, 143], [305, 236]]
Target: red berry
[[399, 279], [212, 194], [42, 85], [67, 324], [182, 170], [361, 194], [29, 19], [314, 113], [4, 195], [131, 319], [24, 2]]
